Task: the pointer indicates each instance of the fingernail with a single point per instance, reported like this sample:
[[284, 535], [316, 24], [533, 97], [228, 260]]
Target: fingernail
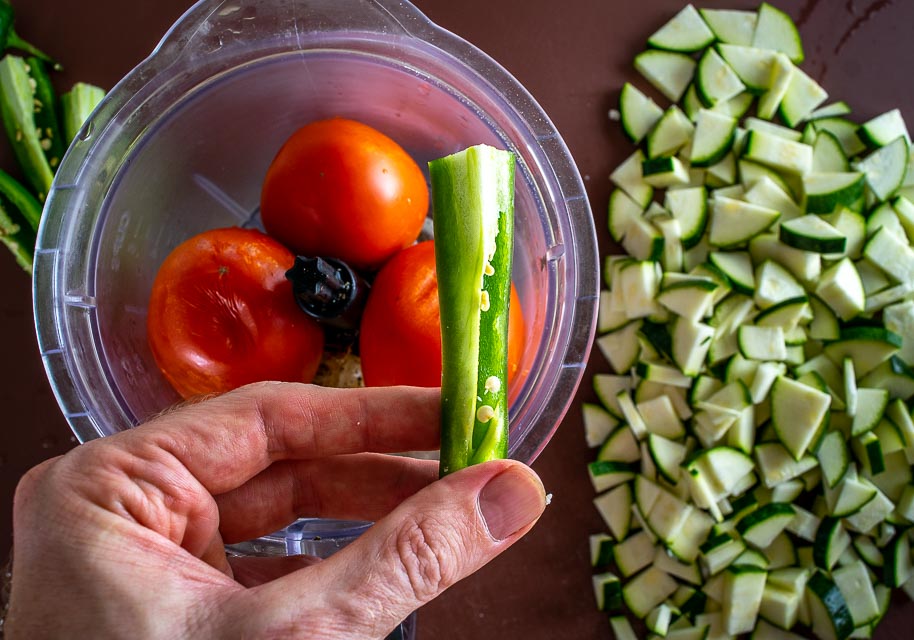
[[510, 501]]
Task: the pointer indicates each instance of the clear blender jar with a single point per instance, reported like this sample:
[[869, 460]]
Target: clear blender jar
[[183, 142]]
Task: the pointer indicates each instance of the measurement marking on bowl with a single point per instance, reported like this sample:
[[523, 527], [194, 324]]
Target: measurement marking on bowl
[[86, 132], [82, 302], [120, 236], [219, 195], [555, 252]]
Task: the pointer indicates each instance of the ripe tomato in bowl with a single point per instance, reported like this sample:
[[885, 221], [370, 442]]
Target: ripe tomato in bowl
[[342, 189], [222, 315], [400, 338]]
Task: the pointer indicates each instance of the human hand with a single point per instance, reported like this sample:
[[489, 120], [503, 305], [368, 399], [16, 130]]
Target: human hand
[[124, 536]]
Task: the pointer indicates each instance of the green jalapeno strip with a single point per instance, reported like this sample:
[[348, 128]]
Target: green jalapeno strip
[[17, 107], [473, 200]]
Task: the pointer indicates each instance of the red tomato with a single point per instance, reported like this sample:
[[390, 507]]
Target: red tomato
[[400, 338], [339, 188], [222, 315]]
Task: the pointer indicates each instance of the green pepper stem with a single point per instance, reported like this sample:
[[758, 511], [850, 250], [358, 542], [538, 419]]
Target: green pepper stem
[[13, 41]]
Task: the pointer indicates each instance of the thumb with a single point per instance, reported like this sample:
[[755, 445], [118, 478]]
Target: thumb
[[440, 535]]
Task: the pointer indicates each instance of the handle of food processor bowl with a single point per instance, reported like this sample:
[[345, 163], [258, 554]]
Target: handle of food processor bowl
[[211, 25]]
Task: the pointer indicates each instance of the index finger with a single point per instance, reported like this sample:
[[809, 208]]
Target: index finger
[[227, 440]]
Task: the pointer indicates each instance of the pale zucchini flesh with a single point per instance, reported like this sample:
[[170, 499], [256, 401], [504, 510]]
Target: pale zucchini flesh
[[686, 32], [769, 349]]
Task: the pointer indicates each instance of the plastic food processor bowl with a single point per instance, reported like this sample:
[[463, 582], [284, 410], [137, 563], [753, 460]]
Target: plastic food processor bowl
[[182, 145]]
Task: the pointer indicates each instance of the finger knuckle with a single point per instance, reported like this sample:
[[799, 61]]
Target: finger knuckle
[[426, 555], [31, 482]]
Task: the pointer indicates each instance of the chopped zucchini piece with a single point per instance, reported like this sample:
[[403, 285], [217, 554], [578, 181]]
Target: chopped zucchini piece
[[685, 32]]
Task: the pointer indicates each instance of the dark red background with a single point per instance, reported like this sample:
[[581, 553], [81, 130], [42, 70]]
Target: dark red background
[[573, 56]]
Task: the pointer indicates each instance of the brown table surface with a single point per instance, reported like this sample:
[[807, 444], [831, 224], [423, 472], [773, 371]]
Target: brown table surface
[[573, 57]]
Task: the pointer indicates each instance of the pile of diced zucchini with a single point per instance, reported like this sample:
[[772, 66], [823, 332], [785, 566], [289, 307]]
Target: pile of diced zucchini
[[755, 444]]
